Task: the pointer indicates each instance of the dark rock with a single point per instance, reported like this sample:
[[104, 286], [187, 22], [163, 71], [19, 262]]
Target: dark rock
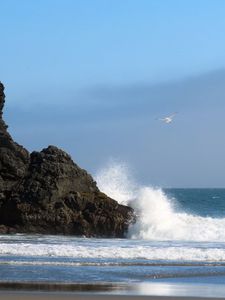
[[14, 159], [46, 192]]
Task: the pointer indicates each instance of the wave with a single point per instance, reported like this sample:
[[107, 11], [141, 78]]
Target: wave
[[172, 253], [157, 216], [112, 264]]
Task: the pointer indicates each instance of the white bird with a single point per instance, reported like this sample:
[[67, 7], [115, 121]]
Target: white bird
[[168, 119]]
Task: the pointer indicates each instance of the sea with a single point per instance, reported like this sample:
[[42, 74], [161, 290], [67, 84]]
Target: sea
[[175, 248]]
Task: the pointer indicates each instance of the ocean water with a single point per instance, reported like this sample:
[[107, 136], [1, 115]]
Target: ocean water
[[178, 242]]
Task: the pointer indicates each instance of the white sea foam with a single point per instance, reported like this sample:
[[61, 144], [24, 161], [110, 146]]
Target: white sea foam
[[157, 218], [181, 253], [115, 181]]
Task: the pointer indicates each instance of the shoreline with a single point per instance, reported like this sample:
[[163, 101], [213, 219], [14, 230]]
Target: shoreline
[[13, 295], [54, 287], [108, 291]]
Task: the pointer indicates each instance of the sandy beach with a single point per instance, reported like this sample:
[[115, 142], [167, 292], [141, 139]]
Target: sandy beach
[[62, 296], [43, 291]]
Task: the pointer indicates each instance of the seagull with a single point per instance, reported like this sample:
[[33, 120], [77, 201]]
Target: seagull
[[168, 119]]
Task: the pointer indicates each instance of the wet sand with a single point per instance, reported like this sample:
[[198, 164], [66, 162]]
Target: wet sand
[[67, 296], [106, 291]]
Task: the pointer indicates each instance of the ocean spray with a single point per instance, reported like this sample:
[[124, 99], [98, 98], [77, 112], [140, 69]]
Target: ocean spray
[[158, 217]]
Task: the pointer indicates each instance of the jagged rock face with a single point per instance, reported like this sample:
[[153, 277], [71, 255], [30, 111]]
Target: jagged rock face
[[14, 159], [46, 192], [2, 98]]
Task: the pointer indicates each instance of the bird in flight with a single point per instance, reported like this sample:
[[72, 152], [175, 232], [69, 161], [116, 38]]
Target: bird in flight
[[168, 119]]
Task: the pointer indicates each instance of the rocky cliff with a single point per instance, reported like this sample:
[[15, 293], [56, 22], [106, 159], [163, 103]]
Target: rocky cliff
[[46, 192]]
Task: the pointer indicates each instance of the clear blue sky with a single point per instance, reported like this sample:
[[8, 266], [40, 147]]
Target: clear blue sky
[[91, 76]]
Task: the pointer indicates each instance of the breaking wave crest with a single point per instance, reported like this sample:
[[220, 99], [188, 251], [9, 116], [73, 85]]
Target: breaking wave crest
[[117, 252], [157, 216]]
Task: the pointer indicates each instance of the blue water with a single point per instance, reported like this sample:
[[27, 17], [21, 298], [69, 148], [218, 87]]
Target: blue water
[[203, 202], [181, 240]]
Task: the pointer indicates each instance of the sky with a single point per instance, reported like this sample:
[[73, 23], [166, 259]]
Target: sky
[[94, 76]]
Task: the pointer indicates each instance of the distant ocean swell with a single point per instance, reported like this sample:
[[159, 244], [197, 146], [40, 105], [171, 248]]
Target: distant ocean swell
[[157, 215]]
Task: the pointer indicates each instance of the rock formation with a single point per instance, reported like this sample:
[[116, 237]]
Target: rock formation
[[14, 159], [46, 192]]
